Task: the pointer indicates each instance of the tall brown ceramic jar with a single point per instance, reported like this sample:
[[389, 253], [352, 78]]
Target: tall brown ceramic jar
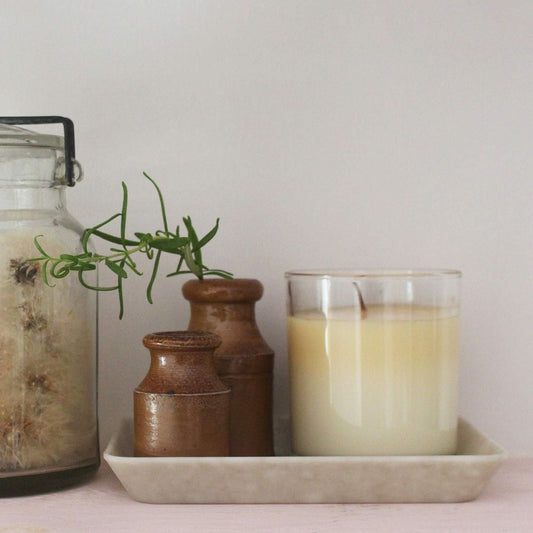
[[181, 408], [244, 361]]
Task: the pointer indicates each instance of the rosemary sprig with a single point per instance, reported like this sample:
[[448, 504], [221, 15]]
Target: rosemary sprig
[[120, 259]]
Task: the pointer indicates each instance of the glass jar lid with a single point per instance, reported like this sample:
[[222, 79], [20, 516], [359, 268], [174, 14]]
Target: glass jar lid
[[29, 158]]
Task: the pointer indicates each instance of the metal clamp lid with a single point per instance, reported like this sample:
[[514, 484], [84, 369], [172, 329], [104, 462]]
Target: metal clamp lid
[[68, 130]]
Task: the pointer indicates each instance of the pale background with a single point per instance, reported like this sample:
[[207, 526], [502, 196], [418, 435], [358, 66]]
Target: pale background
[[323, 133]]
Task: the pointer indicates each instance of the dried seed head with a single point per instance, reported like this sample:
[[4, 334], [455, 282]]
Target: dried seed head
[[38, 381], [23, 271], [32, 320]]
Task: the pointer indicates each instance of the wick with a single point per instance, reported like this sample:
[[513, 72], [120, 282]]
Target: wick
[[361, 301]]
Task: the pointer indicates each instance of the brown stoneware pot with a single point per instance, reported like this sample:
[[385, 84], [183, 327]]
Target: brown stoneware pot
[[181, 408], [244, 361]]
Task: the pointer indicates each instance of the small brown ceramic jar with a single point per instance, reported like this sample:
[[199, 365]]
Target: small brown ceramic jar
[[181, 408]]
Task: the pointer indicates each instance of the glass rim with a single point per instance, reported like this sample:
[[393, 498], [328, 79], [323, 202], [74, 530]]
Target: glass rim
[[17, 137], [376, 273]]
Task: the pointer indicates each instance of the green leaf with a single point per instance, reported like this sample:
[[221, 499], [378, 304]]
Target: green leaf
[[204, 240], [106, 221], [193, 237], [144, 238], [161, 201], [219, 273], [69, 257], [120, 294], [191, 263], [44, 273], [83, 266], [94, 287], [113, 239], [152, 278], [85, 240], [117, 268], [195, 249], [59, 271], [131, 264], [171, 246], [123, 212], [39, 247]]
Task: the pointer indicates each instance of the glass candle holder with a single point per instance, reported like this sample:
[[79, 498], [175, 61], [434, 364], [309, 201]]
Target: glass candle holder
[[373, 361]]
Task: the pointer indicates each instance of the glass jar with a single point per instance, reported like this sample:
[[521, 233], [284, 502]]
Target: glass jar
[[373, 359], [48, 336]]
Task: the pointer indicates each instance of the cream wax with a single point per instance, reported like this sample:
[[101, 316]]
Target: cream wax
[[382, 382]]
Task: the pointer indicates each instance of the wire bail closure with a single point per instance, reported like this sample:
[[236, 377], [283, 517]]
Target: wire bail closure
[[68, 131]]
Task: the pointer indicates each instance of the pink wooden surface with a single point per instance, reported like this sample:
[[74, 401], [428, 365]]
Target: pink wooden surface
[[506, 505]]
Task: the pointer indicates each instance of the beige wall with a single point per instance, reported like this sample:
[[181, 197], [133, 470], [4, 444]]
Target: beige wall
[[342, 133]]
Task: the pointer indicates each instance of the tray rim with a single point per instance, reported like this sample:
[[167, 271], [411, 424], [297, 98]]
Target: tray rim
[[497, 452]]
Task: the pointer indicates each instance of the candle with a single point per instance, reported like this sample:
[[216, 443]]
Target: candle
[[372, 378]]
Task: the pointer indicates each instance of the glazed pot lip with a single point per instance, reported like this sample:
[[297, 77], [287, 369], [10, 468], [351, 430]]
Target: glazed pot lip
[[184, 340], [215, 290]]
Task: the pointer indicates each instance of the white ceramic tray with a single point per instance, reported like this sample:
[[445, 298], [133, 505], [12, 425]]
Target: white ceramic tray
[[292, 479]]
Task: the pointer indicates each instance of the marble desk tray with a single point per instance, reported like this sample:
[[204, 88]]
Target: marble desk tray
[[297, 479]]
